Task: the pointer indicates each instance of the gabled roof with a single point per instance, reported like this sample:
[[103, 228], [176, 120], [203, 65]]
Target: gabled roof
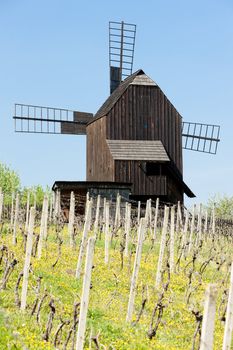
[[138, 150], [137, 78]]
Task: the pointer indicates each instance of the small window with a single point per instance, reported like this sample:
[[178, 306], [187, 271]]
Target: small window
[[153, 169]]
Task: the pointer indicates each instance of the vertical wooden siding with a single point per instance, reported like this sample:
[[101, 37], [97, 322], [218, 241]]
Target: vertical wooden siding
[[145, 113], [100, 165], [174, 191], [126, 171]]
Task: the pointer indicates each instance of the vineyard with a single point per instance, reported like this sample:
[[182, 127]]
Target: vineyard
[[122, 276]]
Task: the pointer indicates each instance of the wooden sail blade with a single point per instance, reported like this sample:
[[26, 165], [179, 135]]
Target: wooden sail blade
[[50, 120], [121, 51], [200, 137]]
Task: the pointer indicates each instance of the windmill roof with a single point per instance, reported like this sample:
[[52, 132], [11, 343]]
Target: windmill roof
[[137, 78], [138, 150]]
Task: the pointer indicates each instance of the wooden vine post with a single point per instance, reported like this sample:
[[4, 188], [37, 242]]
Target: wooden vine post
[[172, 240], [86, 228], [148, 213], [179, 221], [51, 203], [85, 294], [27, 258], [141, 232], [199, 223], [97, 213], [54, 206], [43, 226], [107, 234], [104, 206], [57, 206], [46, 218], [207, 330], [87, 200], [27, 211], [71, 219], [156, 219], [12, 211], [139, 212], [229, 317], [213, 220], [162, 247], [16, 218], [127, 227], [206, 221], [35, 198], [185, 232], [199, 216], [192, 228], [118, 211]]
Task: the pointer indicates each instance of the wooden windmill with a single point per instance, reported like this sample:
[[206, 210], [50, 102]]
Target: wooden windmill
[[136, 138]]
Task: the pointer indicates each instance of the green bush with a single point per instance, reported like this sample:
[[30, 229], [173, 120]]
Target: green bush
[[223, 206]]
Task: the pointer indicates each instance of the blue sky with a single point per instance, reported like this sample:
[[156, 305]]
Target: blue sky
[[55, 53]]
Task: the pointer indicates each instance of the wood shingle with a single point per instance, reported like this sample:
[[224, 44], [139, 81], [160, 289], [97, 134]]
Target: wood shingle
[[138, 150]]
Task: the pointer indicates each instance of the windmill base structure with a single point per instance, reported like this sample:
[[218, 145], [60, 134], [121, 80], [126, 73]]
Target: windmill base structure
[[105, 189], [135, 141]]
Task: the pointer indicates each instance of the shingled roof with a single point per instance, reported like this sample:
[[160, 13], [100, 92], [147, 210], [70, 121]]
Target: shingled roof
[[137, 78], [138, 150]]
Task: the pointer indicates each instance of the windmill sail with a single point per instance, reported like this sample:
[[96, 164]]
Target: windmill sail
[[49, 120], [200, 137], [121, 51]]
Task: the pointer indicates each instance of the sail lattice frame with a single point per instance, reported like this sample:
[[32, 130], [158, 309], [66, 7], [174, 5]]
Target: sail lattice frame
[[200, 137], [49, 120], [121, 51]]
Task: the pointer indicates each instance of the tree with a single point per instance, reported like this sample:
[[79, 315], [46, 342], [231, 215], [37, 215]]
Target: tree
[[223, 206], [37, 194], [9, 181]]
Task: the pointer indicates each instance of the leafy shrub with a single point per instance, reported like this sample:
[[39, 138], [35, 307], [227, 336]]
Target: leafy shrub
[[223, 206]]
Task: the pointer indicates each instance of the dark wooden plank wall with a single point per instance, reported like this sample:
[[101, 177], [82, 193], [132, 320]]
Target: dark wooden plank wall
[[174, 191], [100, 165], [145, 113], [82, 116], [76, 129], [126, 171], [73, 129]]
